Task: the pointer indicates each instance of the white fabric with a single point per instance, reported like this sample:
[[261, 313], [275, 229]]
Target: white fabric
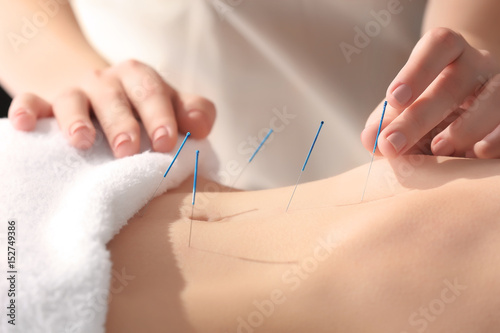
[[257, 59], [68, 205]]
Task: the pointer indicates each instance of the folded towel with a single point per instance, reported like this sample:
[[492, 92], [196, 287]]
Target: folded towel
[[67, 205]]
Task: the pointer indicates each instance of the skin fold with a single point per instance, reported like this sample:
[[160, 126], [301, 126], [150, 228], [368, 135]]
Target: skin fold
[[420, 253]]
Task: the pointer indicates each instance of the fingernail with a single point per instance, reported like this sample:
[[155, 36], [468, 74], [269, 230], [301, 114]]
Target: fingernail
[[82, 134], [79, 127], [402, 94], [160, 133], [397, 140], [161, 137], [23, 112], [443, 148], [199, 116], [195, 113], [24, 119], [122, 144]]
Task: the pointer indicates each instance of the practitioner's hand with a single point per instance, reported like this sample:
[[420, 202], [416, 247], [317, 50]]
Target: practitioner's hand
[[447, 96], [116, 95]]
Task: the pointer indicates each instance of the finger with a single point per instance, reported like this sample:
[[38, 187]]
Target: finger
[[489, 147], [369, 134], [480, 118], [443, 96], [195, 114], [436, 50], [423, 146], [26, 108], [152, 98], [114, 112], [71, 110]]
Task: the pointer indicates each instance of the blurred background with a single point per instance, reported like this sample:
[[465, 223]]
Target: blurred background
[[4, 103]]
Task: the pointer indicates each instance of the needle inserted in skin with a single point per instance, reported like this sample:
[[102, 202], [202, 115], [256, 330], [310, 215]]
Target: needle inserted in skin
[[252, 157], [374, 149], [194, 195], [305, 163], [188, 134]]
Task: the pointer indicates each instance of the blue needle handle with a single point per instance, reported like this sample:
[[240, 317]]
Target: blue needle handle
[[177, 154], [312, 146], [260, 145], [195, 174], [379, 127]]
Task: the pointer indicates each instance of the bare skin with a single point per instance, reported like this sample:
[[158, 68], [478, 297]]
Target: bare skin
[[444, 100], [420, 253], [55, 72]]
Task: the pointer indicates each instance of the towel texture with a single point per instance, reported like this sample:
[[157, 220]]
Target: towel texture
[[67, 205]]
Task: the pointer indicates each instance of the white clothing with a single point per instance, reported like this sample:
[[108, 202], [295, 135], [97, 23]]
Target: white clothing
[[268, 63]]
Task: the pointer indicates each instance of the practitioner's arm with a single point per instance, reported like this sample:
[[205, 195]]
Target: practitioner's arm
[[456, 61], [51, 70], [43, 59]]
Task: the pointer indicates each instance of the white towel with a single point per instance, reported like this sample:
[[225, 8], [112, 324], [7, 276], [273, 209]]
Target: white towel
[[67, 205]]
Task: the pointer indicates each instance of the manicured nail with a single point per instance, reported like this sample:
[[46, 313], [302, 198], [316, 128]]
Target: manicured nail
[[160, 133], [397, 140], [443, 148], [161, 138], [193, 114], [402, 94], [199, 116], [23, 112], [122, 145], [78, 127], [82, 135], [24, 119]]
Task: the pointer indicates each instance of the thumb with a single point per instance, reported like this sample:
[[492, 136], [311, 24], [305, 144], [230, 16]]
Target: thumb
[[369, 134]]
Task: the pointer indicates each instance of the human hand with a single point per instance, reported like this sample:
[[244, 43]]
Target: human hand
[[443, 101], [115, 95]]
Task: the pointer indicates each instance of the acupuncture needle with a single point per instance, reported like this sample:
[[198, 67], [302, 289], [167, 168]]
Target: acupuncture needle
[[188, 134], [252, 157], [305, 163], [374, 149], [195, 177]]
